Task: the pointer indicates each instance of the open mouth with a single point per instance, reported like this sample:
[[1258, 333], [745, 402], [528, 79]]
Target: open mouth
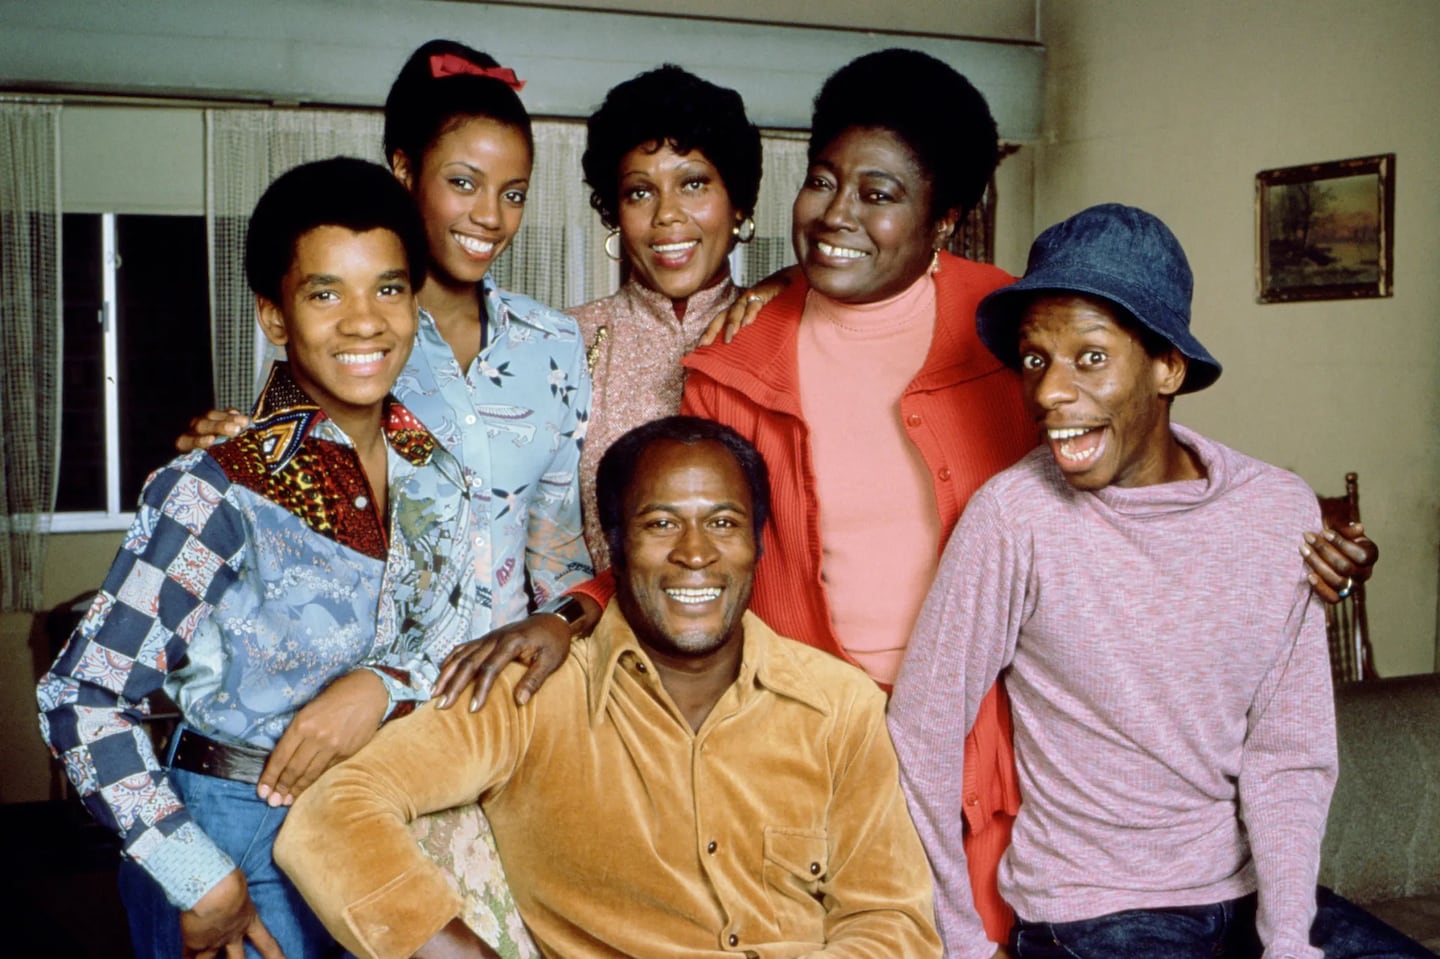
[[694, 597], [359, 359], [1075, 445], [674, 255], [839, 252], [474, 245]]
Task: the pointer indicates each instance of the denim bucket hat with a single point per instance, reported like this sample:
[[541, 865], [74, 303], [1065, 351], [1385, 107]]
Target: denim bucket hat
[[1117, 253]]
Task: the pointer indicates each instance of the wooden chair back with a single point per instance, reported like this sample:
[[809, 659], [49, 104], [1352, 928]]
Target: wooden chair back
[[1345, 622]]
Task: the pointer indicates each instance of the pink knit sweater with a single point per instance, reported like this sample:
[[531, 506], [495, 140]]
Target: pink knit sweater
[[1168, 675]]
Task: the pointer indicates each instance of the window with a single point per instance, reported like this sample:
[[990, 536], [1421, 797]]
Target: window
[[136, 356]]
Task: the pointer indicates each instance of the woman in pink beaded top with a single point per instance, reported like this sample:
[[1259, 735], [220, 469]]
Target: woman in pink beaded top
[[673, 164]]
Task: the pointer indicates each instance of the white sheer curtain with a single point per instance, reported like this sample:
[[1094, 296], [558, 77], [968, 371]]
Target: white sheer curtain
[[558, 257], [30, 339], [783, 155], [245, 150]]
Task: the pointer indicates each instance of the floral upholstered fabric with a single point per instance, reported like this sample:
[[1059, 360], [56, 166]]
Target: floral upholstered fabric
[[460, 842]]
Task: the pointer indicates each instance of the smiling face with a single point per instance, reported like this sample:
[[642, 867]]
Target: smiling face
[[346, 318], [470, 187], [676, 219], [862, 226], [1099, 398], [689, 560]]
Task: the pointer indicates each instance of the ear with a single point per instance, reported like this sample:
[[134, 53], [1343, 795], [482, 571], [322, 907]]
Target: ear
[[400, 167], [271, 320], [944, 227], [1170, 372]]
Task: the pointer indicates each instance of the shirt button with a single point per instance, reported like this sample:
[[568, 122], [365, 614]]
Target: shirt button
[[711, 848], [470, 420], [913, 419], [814, 869], [361, 502], [945, 473], [734, 940]]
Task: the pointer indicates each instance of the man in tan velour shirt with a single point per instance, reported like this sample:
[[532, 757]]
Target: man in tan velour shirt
[[688, 784]]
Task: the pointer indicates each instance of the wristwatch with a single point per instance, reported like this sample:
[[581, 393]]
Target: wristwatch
[[570, 610]]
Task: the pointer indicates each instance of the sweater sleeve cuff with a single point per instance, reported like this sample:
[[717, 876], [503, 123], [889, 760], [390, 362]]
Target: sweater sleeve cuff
[[600, 589], [1292, 949]]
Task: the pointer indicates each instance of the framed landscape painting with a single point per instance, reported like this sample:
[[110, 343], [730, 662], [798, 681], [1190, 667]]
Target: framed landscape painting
[[1325, 231]]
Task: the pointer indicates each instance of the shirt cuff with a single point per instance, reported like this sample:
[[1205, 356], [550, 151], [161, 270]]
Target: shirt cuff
[[187, 864], [401, 696]]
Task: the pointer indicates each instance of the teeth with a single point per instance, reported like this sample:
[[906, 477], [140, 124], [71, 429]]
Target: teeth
[[356, 359], [1069, 433], [1065, 453], [674, 247], [472, 245], [694, 595], [842, 252]]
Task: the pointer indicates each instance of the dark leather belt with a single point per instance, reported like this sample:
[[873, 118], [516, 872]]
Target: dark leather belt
[[197, 754]]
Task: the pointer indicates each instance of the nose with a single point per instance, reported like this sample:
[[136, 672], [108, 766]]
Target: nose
[[840, 211], [364, 318], [1054, 386], [485, 210], [694, 549], [668, 208]]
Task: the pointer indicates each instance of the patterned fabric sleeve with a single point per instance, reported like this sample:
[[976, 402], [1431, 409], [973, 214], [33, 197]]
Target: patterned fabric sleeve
[[178, 558], [555, 553]]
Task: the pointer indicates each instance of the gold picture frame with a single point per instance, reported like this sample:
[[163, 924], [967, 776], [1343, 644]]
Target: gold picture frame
[[1325, 231]]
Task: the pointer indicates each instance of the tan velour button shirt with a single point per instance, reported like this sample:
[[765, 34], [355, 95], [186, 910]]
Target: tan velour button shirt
[[778, 830]]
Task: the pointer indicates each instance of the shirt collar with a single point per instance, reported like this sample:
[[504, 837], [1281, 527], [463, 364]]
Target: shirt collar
[[768, 662], [285, 416], [503, 308]]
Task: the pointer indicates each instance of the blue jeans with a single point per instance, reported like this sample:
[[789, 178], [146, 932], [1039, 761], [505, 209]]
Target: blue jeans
[[244, 827], [1223, 929]]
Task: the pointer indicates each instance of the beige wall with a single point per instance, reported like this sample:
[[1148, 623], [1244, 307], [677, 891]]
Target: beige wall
[[1174, 106]]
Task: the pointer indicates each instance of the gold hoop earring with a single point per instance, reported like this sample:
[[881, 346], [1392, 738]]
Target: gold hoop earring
[[615, 253], [935, 263], [744, 231]]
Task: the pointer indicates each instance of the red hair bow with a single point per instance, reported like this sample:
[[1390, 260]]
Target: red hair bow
[[450, 65]]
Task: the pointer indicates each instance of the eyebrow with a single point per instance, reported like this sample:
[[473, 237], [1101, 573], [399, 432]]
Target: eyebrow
[[481, 174], [727, 506], [313, 280]]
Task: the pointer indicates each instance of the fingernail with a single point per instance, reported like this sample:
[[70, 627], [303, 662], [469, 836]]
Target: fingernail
[[474, 706], [1310, 538], [522, 696], [263, 791], [1330, 535], [274, 800], [1305, 550], [1314, 580]]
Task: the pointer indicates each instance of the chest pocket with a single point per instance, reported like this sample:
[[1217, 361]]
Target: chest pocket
[[796, 861]]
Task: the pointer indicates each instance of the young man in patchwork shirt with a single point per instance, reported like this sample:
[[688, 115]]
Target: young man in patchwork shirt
[[1166, 660], [290, 590]]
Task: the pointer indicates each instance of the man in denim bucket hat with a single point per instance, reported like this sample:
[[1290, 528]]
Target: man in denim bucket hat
[[1167, 665]]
